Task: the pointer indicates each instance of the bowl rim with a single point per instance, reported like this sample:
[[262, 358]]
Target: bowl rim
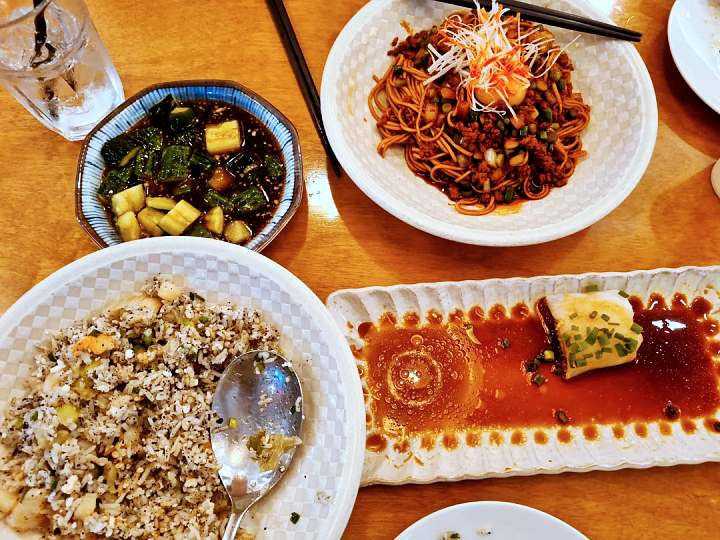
[[297, 177], [429, 224]]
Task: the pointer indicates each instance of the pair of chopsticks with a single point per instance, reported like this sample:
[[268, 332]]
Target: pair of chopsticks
[[303, 76], [554, 17]]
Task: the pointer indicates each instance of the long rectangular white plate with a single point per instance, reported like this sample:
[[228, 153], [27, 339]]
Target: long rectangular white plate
[[489, 459]]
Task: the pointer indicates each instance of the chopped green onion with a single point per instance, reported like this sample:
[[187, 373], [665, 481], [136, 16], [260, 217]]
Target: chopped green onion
[[537, 379], [587, 356], [606, 349], [598, 355], [581, 363], [573, 315], [561, 85], [592, 336], [577, 337], [573, 348], [543, 135], [505, 343], [398, 70], [620, 350], [582, 346], [522, 132], [593, 314], [619, 336], [575, 328], [605, 317], [509, 194], [549, 355], [631, 345], [636, 328], [556, 126], [614, 323], [592, 287], [603, 338], [547, 114], [623, 294]]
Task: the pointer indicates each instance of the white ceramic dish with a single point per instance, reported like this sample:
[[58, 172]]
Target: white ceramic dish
[[323, 480], [619, 140], [694, 37], [490, 458], [490, 519]]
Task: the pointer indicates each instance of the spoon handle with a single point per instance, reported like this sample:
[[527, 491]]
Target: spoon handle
[[233, 524]]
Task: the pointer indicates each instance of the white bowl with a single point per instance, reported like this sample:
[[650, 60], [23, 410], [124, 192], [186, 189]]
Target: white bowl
[[619, 140], [323, 480]]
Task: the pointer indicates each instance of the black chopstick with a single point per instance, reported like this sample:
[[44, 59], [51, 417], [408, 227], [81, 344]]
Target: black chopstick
[[552, 17], [303, 76]]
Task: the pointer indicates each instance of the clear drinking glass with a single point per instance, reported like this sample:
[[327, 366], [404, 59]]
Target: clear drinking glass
[[54, 63]]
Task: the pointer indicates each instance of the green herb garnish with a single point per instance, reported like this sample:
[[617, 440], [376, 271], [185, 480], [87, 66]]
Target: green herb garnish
[[620, 348], [623, 294], [537, 379], [505, 343], [593, 314], [605, 317], [636, 328], [593, 287]]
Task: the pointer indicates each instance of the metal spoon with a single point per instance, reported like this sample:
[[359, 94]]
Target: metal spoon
[[258, 391]]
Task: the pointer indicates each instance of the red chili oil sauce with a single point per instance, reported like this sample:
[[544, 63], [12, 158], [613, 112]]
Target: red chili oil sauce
[[469, 372]]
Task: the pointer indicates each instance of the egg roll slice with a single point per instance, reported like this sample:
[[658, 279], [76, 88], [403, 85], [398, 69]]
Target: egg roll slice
[[590, 330]]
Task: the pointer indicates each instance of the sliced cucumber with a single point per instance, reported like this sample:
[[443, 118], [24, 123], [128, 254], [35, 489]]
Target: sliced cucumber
[[149, 219], [128, 227], [215, 220], [223, 138], [237, 232], [161, 203], [177, 220]]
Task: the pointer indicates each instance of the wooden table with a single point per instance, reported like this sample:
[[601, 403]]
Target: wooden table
[[339, 238]]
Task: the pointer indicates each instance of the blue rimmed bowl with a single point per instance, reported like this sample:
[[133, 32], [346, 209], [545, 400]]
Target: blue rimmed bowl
[[90, 212]]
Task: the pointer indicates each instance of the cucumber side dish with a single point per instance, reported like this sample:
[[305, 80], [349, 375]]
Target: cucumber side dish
[[195, 168]]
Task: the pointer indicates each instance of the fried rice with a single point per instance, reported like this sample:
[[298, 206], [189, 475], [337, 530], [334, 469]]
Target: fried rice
[[112, 439]]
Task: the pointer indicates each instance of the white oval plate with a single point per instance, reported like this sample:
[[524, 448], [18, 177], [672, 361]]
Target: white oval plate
[[323, 481], [490, 519], [694, 37], [620, 138]]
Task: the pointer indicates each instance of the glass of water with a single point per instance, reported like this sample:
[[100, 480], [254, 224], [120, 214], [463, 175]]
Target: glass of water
[[54, 63]]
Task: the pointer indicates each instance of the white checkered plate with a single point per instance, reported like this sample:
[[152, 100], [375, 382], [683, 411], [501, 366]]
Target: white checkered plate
[[322, 483], [619, 140]]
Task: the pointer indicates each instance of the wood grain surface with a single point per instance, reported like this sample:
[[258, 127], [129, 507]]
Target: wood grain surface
[[339, 238]]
